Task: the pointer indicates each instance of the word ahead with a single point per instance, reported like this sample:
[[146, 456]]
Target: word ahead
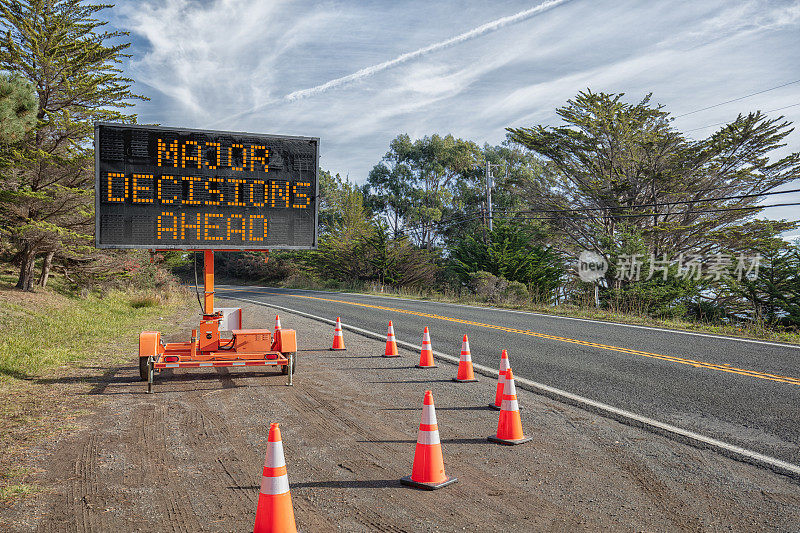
[[190, 189]]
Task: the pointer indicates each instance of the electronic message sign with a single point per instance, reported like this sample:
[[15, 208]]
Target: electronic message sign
[[178, 188]]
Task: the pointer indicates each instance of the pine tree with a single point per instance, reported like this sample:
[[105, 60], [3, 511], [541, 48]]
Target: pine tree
[[62, 49]]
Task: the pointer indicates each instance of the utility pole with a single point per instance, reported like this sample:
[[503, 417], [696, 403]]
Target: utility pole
[[483, 215], [489, 185]]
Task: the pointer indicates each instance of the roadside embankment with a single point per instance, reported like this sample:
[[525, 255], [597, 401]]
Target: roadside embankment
[[51, 348]]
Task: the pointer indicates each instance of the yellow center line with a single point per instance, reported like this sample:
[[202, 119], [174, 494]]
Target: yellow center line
[[697, 364]]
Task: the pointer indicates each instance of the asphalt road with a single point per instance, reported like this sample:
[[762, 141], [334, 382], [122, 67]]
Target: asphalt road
[[745, 393]]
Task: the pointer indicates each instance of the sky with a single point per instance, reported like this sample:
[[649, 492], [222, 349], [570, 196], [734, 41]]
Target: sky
[[357, 74]]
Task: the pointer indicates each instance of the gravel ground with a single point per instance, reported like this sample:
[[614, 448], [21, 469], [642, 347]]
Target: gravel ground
[[189, 457]]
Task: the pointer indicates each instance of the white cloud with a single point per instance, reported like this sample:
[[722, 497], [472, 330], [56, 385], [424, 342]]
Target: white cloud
[[215, 56]]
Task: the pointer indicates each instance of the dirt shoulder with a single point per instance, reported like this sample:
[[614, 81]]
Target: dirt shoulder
[[189, 457]]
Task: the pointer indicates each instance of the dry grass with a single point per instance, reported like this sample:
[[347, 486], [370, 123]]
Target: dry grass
[[149, 300]]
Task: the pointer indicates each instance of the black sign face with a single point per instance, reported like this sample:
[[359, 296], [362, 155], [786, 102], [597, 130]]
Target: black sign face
[[189, 189]]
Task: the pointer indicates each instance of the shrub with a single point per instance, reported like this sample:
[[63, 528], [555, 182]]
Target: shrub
[[516, 293], [487, 287]]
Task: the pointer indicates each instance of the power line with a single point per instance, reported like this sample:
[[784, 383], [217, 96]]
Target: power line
[[720, 123], [464, 217], [737, 99], [461, 219], [640, 215], [659, 204]]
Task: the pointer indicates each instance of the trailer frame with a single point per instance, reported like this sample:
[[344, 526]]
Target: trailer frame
[[207, 348]]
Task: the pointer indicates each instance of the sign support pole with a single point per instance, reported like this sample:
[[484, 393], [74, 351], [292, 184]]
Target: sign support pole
[[208, 281]]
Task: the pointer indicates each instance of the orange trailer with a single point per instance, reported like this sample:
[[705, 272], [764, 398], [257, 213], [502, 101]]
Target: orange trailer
[[208, 348]]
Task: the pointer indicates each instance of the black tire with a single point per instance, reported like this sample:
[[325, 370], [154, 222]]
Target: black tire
[[143, 368], [285, 368]]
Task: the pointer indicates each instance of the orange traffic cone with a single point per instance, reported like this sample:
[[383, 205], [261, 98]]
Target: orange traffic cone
[[274, 511], [428, 470], [391, 343], [501, 381], [465, 372], [277, 325], [426, 355], [509, 428], [338, 339]]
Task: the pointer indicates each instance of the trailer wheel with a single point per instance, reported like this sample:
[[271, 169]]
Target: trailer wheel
[[143, 368], [285, 368]]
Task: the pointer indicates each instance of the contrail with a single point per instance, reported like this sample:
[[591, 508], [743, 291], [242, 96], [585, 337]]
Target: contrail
[[374, 69], [466, 36]]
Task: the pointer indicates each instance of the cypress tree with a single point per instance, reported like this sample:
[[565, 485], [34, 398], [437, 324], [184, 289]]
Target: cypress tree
[[74, 65]]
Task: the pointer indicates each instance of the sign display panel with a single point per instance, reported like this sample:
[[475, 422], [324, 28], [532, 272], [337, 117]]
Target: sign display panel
[[167, 188]]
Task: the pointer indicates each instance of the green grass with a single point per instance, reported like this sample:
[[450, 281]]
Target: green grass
[[17, 490], [48, 329]]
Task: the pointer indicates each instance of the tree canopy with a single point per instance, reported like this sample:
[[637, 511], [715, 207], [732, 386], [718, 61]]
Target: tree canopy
[[615, 164]]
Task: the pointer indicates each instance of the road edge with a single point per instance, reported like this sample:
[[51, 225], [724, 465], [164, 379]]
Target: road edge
[[721, 336], [681, 435]]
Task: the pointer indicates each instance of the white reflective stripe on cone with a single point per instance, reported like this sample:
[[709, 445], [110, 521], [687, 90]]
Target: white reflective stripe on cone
[[272, 486], [426, 338], [504, 365], [510, 389], [466, 357], [509, 405], [274, 457], [428, 414], [428, 437]]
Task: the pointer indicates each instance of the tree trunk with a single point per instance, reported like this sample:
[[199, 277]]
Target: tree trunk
[[48, 262], [25, 281]]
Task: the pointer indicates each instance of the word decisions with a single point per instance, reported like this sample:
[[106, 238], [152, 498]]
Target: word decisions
[[206, 190]]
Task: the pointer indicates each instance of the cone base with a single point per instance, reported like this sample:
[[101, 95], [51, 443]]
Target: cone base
[[427, 486], [397, 355], [337, 349], [497, 407], [509, 442], [464, 380], [426, 366]]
